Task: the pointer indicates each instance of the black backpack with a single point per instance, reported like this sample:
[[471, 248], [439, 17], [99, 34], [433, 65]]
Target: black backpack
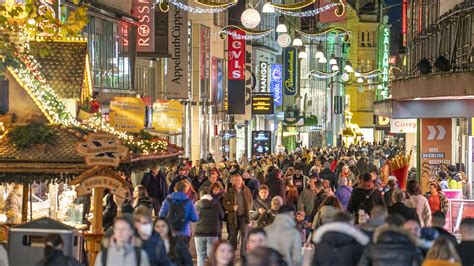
[[176, 214], [138, 256]]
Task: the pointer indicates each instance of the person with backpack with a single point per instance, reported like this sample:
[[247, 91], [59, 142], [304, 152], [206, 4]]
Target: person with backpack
[[122, 248], [179, 211], [364, 197], [207, 228], [151, 241]]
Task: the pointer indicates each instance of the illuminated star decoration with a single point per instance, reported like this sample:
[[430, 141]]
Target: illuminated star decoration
[[249, 34], [209, 8]]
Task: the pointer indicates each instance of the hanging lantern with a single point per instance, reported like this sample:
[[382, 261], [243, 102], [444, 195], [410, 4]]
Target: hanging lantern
[[284, 40], [250, 18]]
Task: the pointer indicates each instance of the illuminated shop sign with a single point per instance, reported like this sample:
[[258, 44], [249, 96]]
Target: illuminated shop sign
[[143, 10]]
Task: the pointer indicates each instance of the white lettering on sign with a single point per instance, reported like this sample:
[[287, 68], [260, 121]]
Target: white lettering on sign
[[403, 125], [263, 77], [143, 10]]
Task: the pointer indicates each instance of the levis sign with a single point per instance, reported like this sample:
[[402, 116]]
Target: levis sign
[[236, 57], [143, 10]]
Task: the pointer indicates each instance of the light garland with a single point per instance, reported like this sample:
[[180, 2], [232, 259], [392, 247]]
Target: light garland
[[322, 75], [200, 10], [371, 74], [249, 34], [308, 13], [293, 6], [339, 31]]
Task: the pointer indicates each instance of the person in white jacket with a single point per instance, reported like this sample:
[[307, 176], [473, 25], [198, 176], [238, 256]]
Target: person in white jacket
[[421, 203], [283, 236]]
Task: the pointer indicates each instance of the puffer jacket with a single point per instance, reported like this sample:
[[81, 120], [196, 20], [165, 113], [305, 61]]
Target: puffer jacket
[[337, 244], [190, 214], [210, 214], [392, 246]]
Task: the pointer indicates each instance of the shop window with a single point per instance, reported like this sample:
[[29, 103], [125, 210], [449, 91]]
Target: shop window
[[109, 55]]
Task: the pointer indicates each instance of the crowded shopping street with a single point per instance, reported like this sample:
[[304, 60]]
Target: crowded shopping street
[[236, 132]]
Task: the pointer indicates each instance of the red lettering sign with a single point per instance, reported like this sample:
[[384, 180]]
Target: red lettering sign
[[143, 10], [236, 48]]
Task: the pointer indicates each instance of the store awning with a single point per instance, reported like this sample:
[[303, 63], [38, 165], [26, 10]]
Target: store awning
[[444, 107]]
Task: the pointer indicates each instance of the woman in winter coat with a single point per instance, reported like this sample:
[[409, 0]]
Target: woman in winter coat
[[122, 248], [110, 211], [176, 249], [338, 243], [53, 253], [392, 245], [343, 192], [260, 206], [442, 253], [436, 198], [421, 203]]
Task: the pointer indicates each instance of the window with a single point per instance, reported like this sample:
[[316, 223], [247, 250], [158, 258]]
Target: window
[[362, 39], [109, 55]]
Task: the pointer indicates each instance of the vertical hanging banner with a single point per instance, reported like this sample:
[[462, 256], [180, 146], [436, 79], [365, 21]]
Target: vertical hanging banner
[[220, 81], [214, 82], [248, 83], [236, 76], [205, 61], [275, 83], [289, 70], [436, 148], [145, 13], [177, 67], [263, 77]]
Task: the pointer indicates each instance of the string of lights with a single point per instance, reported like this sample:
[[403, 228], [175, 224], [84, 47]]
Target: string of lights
[[230, 30], [200, 10], [307, 13], [322, 75]]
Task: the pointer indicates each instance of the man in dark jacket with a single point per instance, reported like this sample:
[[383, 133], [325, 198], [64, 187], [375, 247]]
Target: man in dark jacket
[[326, 174], [438, 219], [392, 246], [182, 174], [338, 243], [151, 241], [364, 197], [466, 246], [321, 195], [398, 207], [207, 227], [276, 186], [237, 202], [156, 187]]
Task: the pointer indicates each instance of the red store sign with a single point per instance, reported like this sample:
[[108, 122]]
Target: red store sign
[[143, 10], [236, 57]]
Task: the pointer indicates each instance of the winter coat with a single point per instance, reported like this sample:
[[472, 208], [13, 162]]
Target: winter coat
[[183, 257], [110, 212], [210, 214], [404, 211], [176, 180], [392, 246], [283, 237], [423, 209], [337, 244], [439, 262], [306, 201], [143, 201], [343, 194], [122, 256], [156, 250], [254, 215], [59, 260], [190, 214], [318, 200], [230, 199], [443, 200], [267, 218], [276, 187], [253, 185], [160, 186], [13, 205], [326, 174]]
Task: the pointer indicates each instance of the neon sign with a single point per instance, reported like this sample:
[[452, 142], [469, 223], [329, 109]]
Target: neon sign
[[384, 57]]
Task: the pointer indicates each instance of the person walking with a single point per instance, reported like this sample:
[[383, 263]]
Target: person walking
[[260, 206], [151, 241], [53, 253], [156, 187], [387, 196], [276, 186], [442, 253], [183, 174], [283, 236], [178, 209], [237, 202], [206, 231], [421, 203], [176, 250], [438, 220], [222, 254], [398, 207], [307, 198], [344, 191], [364, 197], [436, 198], [122, 248], [466, 246], [327, 174]]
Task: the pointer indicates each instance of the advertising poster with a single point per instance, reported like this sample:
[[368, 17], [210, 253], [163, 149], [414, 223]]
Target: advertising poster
[[145, 12], [261, 143], [435, 148], [290, 57], [127, 114], [205, 57], [177, 65], [276, 83], [249, 83], [236, 75], [214, 84], [220, 81], [167, 115], [262, 104]]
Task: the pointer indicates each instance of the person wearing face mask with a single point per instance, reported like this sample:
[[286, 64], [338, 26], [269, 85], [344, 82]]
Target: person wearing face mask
[[152, 243]]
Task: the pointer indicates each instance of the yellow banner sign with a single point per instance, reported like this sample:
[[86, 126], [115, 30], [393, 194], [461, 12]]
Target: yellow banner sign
[[167, 115], [127, 114]]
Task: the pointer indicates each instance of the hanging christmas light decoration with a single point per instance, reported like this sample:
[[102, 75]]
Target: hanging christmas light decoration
[[249, 34], [341, 32], [306, 13], [322, 75], [371, 74], [210, 7], [250, 18], [284, 40], [293, 6]]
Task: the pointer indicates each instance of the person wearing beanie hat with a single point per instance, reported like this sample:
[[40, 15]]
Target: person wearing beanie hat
[[269, 216]]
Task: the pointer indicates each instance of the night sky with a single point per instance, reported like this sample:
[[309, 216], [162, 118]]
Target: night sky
[[394, 12]]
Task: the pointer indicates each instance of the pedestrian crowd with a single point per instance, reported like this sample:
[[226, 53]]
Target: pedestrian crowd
[[320, 206]]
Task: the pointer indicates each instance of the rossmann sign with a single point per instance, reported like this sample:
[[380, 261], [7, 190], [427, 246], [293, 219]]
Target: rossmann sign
[[143, 10]]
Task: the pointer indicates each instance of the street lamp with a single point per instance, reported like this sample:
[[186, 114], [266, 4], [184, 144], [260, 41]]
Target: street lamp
[[360, 80], [281, 28], [333, 60], [297, 42], [357, 74], [348, 67], [323, 60], [319, 51], [302, 55], [268, 8], [335, 68]]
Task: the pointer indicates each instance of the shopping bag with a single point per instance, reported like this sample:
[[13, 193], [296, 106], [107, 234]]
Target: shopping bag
[[308, 254]]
